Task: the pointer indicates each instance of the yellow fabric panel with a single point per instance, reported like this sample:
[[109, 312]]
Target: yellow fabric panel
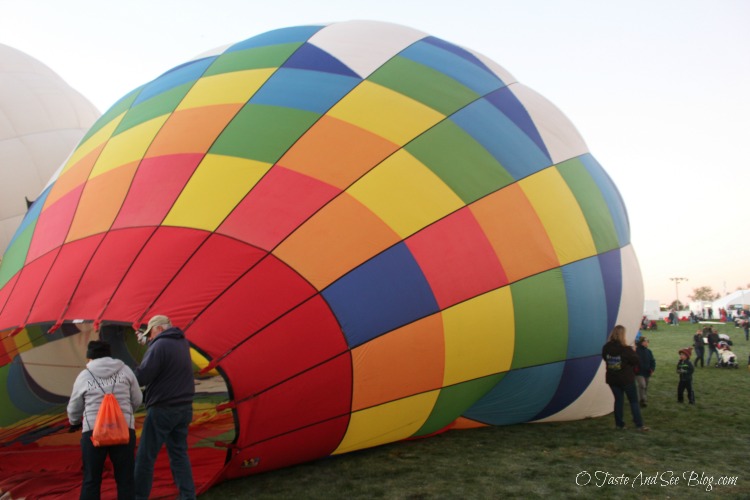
[[93, 142], [217, 186], [560, 214], [129, 146], [479, 336], [405, 194], [387, 423], [385, 113], [226, 88]]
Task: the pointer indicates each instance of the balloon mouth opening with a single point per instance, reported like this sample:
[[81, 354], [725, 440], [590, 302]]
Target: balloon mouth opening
[[38, 369]]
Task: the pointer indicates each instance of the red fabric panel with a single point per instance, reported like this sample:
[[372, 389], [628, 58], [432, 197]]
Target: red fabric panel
[[312, 397], [63, 279], [5, 293], [211, 270], [457, 259], [161, 258], [156, 185], [5, 290], [53, 224], [108, 266], [304, 445], [25, 292], [305, 337], [279, 203], [55, 472], [268, 291]]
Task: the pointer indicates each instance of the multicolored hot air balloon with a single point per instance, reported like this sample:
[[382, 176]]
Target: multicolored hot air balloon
[[369, 233]]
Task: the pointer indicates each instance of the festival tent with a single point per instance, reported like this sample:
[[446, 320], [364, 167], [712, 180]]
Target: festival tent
[[367, 233], [734, 300]]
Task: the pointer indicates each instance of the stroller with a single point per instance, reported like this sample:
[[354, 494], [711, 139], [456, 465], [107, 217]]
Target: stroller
[[727, 359]]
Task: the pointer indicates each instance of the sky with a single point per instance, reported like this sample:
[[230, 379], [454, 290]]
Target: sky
[[659, 90]]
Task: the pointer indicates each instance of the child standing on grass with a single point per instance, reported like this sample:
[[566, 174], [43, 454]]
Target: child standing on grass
[[685, 370]]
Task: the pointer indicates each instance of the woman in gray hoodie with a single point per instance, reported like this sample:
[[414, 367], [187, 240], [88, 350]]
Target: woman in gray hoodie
[[103, 373]]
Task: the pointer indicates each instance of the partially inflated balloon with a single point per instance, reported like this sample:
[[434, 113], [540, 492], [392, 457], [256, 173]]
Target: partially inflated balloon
[[43, 119], [371, 233]]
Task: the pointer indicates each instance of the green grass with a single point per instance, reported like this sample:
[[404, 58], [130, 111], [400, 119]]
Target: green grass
[[543, 460]]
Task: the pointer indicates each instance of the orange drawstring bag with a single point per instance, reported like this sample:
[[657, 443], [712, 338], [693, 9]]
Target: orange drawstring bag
[[110, 427]]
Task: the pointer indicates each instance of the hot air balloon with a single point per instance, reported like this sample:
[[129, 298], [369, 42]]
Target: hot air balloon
[[368, 234], [43, 120]]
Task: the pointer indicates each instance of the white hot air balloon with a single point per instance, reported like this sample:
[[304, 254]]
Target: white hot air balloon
[[42, 118]]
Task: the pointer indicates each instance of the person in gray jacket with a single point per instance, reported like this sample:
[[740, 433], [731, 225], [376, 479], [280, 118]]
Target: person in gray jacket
[[103, 373]]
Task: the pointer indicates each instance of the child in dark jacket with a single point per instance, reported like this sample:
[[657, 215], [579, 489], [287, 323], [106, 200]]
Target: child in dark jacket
[[685, 370]]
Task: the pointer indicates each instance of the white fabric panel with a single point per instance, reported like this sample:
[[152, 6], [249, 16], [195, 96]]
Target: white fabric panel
[[631, 302], [560, 136], [498, 70], [55, 366], [42, 119], [596, 400], [365, 45]]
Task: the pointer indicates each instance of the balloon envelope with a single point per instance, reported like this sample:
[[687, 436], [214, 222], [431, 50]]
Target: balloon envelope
[[43, 120], [371, 233]]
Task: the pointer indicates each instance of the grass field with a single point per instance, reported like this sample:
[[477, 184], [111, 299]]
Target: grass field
[[688, 453]]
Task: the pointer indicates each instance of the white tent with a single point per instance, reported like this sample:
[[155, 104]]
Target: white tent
[[42, 119], [737, 298]]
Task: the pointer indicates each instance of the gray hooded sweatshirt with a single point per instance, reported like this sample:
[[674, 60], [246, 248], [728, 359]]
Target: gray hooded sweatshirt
[[87, 396]]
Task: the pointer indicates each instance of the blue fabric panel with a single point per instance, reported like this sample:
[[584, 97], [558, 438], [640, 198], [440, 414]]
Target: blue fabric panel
[[311, 57], [576, 378], [188, 72], [463, 53], [459, 68], [587, 307], [33, 214], [303, 89], [611, 266], [295, 34], [519, 396], [504, 100], [26, 395], [385, 293], [611, 196], [510, 146]]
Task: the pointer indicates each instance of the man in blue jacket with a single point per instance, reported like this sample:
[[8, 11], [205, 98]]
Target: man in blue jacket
[[167, 373]]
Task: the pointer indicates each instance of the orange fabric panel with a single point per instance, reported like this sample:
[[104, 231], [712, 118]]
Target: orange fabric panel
[[335, 240], [336, 152], [101, 201], [73, 176], [401, 363], [465, 423], [180, 134], [515, 232]]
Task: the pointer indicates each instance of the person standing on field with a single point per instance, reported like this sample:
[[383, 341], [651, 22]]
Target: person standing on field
[[167, 373]]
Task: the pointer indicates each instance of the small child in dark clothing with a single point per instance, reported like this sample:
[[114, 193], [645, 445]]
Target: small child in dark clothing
[[685, 370]]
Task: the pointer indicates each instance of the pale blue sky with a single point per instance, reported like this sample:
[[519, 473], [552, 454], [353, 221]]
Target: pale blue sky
[[657, 88]]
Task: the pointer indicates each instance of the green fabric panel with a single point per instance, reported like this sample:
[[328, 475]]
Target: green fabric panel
[[460, 161], [263, 133], [15, 255], [592, 203], [161, 104], [119, 108], [10, 414], [254, 58], [424, 84], [455, 400], [541, 314]]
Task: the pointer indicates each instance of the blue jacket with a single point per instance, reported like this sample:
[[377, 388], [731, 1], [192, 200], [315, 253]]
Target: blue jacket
[[647, 361], [167, 370]]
